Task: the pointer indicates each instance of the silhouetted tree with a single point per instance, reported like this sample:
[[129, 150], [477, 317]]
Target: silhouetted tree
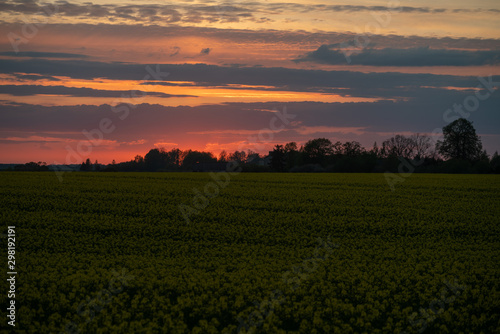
[[398, 146], [32, 167], [173, 158], [238, 156], [193, 157], [461, 146], [290, 147], [338, 149], [135, 165], [86, 166], [292, 155], [154, 160], [223, 156], [460, 141], [317, 150], [421, 146], [138, 159], [482, 165], [277, 158], [352, 148], [375, 150], [495, 163], [252, 157]]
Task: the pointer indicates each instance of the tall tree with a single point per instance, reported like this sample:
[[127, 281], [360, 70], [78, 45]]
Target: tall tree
[[86, 166], [317, 150], [421, 145], [238, 156], [173, 158], [375, 150], [292, 154], [277, 158], [223, 156], [460, 141], [495, 163], [252, 156], [398, 146], [290, 147], [154, 160], [352, 148], [193, 157]]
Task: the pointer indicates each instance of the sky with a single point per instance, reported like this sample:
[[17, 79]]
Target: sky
[[109, 80]]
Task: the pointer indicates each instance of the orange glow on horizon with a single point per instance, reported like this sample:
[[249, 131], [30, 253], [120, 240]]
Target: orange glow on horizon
[[194, 95]]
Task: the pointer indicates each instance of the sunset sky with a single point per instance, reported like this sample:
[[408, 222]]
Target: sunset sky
[[212, 75]]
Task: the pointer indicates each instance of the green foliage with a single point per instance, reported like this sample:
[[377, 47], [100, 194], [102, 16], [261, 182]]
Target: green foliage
[[396, 252]]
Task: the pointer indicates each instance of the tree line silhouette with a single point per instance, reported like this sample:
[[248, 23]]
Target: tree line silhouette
[[459, 152]]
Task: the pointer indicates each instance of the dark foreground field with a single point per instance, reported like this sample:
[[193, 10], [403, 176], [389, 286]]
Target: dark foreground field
[[267, 253]]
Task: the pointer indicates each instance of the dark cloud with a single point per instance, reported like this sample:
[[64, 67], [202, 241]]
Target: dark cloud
[[302, 39], [278, 8], [176, 50], [423, 56], [340, 82], [225, 12], [33, 54], [353, 8], [192, 13], [152, 122], [361, 90], [205, 51], [27, 90], [29, 77]]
